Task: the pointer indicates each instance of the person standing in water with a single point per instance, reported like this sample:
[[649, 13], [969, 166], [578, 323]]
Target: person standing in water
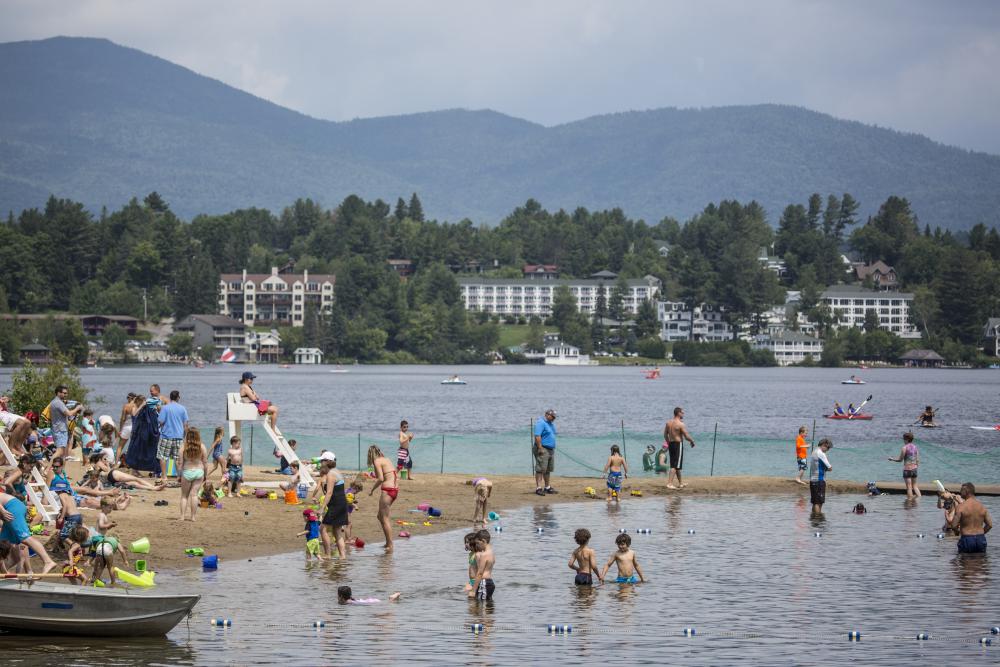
[[972, 521], [674, 434], [909, 456], [819, 465], [388, 480]]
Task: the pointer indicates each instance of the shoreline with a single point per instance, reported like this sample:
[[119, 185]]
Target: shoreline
[[248, 527]]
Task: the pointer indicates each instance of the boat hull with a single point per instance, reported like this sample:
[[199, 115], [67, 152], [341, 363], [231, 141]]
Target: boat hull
[[61, 609], [860, 417]]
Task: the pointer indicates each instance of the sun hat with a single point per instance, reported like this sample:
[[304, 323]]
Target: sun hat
[[327, 456]]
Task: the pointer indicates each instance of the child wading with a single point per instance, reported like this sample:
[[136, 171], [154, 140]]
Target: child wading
[[629, 571], [615, 468], [583, 560]]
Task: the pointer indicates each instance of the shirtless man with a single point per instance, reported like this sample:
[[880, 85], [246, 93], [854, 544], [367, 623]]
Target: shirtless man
[[972, 521], [384, 471], [482, 585], [674, 434]]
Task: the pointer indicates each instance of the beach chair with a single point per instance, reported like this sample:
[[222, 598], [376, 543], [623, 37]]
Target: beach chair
[[45, 502]]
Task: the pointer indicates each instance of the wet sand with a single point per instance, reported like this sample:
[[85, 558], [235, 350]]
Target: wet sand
[[247, 527]]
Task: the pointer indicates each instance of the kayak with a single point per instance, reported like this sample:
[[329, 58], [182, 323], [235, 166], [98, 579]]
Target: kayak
[[929, 425], [852, 382], [861, 416], [986, 428], [455, 381]]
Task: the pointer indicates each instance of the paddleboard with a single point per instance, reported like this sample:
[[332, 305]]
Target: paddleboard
[[930, 425], [853, 382]]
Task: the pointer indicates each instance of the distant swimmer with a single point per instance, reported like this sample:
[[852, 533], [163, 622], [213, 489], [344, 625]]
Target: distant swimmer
[[972, 521], [674, 434]]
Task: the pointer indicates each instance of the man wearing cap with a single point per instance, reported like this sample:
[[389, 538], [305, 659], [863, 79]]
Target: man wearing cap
[[544, 451]]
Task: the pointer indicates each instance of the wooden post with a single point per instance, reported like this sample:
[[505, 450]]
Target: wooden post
[[442, 453], [624, 450], [251, 444]]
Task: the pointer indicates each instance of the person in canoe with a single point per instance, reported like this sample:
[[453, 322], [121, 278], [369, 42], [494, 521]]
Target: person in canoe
[[838, 410], [851, 410], [926, 418]]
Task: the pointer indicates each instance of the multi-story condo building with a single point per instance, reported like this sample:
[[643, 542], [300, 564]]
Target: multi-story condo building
[[790, 347], [851, 303], [275, 298], [519, 296], [704, 324]]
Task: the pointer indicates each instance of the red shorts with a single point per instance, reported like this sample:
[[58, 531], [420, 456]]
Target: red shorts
[[392, 493]]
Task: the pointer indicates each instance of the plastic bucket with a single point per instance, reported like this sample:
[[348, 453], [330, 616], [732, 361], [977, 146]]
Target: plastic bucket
[[423, 507], [273, 495], [291, 497], [141, 546], [140, 566], [210, 562], [359, 543], [303, 491], [493, 516], [433, 512]]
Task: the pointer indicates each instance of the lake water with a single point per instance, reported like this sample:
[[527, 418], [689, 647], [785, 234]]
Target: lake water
[[485, 424], [753, 580]]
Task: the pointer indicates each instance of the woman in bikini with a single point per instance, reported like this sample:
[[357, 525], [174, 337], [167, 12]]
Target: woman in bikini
[[194, 465], [99, 465], [384, 471], [334, 509], [248, 395]]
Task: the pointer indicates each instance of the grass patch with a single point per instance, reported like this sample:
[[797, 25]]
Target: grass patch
[[512, 335]]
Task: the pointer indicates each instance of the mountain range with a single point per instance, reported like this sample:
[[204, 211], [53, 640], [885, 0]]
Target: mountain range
[[99, 123]]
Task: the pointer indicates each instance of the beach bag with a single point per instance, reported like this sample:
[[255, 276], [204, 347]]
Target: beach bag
[[262, 407]]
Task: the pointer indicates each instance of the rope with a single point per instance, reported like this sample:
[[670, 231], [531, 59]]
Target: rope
[[578, 461]]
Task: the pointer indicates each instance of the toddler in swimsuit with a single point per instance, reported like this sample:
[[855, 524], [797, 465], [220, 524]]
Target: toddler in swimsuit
[[615, 468]]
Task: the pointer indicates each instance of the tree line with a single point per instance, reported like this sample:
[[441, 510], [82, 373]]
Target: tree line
[[144, 261]]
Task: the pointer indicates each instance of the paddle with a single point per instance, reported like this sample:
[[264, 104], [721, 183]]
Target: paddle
[[857, 410]]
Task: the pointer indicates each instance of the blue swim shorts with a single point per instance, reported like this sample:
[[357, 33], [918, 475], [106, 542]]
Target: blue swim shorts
[[615, 481], [16, 530], [972, 544], [634, 579]]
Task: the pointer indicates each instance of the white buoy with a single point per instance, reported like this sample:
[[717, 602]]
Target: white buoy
[[498, 529], [222, 623], [539, 530], [817, 534], [689, 632], [319, 624], [623, 530], [690, 531], [476, 628], [560, 629], [923, 636], [995, 630], [986, 641], [921, 536], [940, 536], [854, 635], [643, 531]]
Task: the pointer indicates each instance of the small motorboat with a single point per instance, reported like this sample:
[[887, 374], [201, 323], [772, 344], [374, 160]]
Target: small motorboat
[[861, 416], [986, 428], [62, 609], [339, 369], [454, 379], [852, 382]]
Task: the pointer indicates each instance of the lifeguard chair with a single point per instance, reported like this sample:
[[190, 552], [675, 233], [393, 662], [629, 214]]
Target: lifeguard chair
[[238, 412], [45, 502]]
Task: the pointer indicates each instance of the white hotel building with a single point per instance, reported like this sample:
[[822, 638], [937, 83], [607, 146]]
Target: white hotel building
[[275, 298], [527, 297], [851, 303]]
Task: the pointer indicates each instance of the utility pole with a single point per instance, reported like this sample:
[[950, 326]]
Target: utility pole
[[145, 318]]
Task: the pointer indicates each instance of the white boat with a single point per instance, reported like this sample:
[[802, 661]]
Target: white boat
[[986, 428], [339, 369], [454, 380], [62, 609]]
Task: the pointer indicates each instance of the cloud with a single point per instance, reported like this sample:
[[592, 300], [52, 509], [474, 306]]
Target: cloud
[[915, 65]]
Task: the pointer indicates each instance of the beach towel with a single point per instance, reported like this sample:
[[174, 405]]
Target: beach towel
[[141, 454]]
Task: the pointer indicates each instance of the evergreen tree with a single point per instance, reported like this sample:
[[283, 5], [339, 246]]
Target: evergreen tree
[[646, 323], [616, 302], [155, 202], [197, 286], [401, 211], [416, 209], [563, 307]]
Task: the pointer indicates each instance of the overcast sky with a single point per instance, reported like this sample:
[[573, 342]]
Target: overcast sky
[[913, 65]]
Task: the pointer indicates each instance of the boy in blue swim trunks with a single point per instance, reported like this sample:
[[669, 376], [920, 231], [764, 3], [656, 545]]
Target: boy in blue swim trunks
[[234, 465], [615, 468], [629, 571]]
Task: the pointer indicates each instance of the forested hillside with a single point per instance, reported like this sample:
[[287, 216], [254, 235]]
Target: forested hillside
[[90, 121]]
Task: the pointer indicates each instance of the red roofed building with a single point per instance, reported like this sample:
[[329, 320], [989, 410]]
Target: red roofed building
[[540, 271], [275, 298]]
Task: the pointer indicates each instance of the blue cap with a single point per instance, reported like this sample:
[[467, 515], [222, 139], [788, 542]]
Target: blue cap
[[247, 375]]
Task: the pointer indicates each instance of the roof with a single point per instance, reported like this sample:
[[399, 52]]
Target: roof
[[400, 262], [289, 278], [527, 282], [214, 321], [540, 268], [922, 355], [34, 347], [858, 292], [992, 324], [611, 275], [308, 350], [792, 337]]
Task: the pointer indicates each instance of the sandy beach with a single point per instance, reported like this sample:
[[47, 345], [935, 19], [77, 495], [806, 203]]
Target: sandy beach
[[247, 527]]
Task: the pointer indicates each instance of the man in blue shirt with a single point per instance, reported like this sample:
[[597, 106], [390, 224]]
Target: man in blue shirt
[[173, 424], [819, 465], [544, 450]]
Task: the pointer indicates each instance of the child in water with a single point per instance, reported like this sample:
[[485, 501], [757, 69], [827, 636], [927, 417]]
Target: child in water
[[614, 469], [482, 585], [583, 560], [345, 596], [629, 571], [311, 534], [469, 539]]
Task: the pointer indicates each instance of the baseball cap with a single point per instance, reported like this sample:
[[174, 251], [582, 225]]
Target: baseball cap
[[247, 375], [327, 456], [310, 514]]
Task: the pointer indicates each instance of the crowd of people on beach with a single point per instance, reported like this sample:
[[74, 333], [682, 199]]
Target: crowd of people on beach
[[154, 441]]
